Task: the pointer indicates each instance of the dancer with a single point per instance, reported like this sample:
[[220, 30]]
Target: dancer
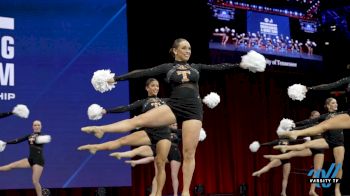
[[184, 105], [174, 158], [276, 163], [160, 136], [333, 139], [36, 158]]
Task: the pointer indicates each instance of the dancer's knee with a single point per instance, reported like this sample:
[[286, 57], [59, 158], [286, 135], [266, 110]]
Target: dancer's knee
[[189, 153], [160, 161]]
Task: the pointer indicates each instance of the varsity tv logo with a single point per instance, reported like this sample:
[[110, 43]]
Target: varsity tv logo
[[326, 178]]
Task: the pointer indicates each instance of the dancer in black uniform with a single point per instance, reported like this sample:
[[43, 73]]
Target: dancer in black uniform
[[174, 158], [159, 137], [184, 105], [333, 139], [341, 121], [35, 160]]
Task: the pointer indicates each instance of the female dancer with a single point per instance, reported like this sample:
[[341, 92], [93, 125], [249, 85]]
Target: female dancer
[[183, 107], [341, 121], [174, 158], [275, 162], [160, 136], [36, 158], [333, 139]]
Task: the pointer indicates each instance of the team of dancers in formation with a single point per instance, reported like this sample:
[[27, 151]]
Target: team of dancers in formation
[[167, 123]]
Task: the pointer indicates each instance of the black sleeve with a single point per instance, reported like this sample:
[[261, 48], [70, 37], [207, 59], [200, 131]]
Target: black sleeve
[[331, 85], [160, 69], [307, 122], [218, 67], [5, 114], [18, 140], [126, 108], [272, 143]]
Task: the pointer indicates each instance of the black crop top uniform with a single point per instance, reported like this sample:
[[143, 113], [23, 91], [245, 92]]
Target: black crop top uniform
[[184, 100], [36, 155], [154, 134]]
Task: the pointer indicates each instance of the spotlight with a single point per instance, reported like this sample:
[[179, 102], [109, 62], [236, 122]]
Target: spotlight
[[199, 190], [243, 190]]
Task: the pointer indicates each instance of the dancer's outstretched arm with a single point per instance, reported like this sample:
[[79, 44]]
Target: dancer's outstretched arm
[[332, 85], [130, 107], [5, 114], [160, 69]]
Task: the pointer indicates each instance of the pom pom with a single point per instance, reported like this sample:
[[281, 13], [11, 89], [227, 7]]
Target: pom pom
[[21, 111], [95, 112], [285, 125], [253, 61], [43, 139], [100, 80], [202, 135], [254, 146], [307, 138], [297, 92], [2, 145], [211, 100]]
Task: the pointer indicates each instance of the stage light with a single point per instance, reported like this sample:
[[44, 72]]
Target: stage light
[[199, 190]]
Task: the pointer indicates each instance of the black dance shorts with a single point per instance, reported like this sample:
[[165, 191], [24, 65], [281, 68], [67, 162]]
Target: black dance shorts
[[316, 151], [174, 153], [157, 134], [36, 161], [285, 161], [334, 138], [186, 104]]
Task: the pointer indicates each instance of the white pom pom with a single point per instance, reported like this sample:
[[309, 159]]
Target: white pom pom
[[95, 112], [285, 125], [307, 138], [253, 61], [21, 111], [254, 146], [100, 78], [212, 100], [43, 139], [2, 145], [202, 135], [297, 92]]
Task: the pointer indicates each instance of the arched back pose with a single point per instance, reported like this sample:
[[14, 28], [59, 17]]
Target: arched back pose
[[333, 139], [184, 105], [36, 158], [160, 136]]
